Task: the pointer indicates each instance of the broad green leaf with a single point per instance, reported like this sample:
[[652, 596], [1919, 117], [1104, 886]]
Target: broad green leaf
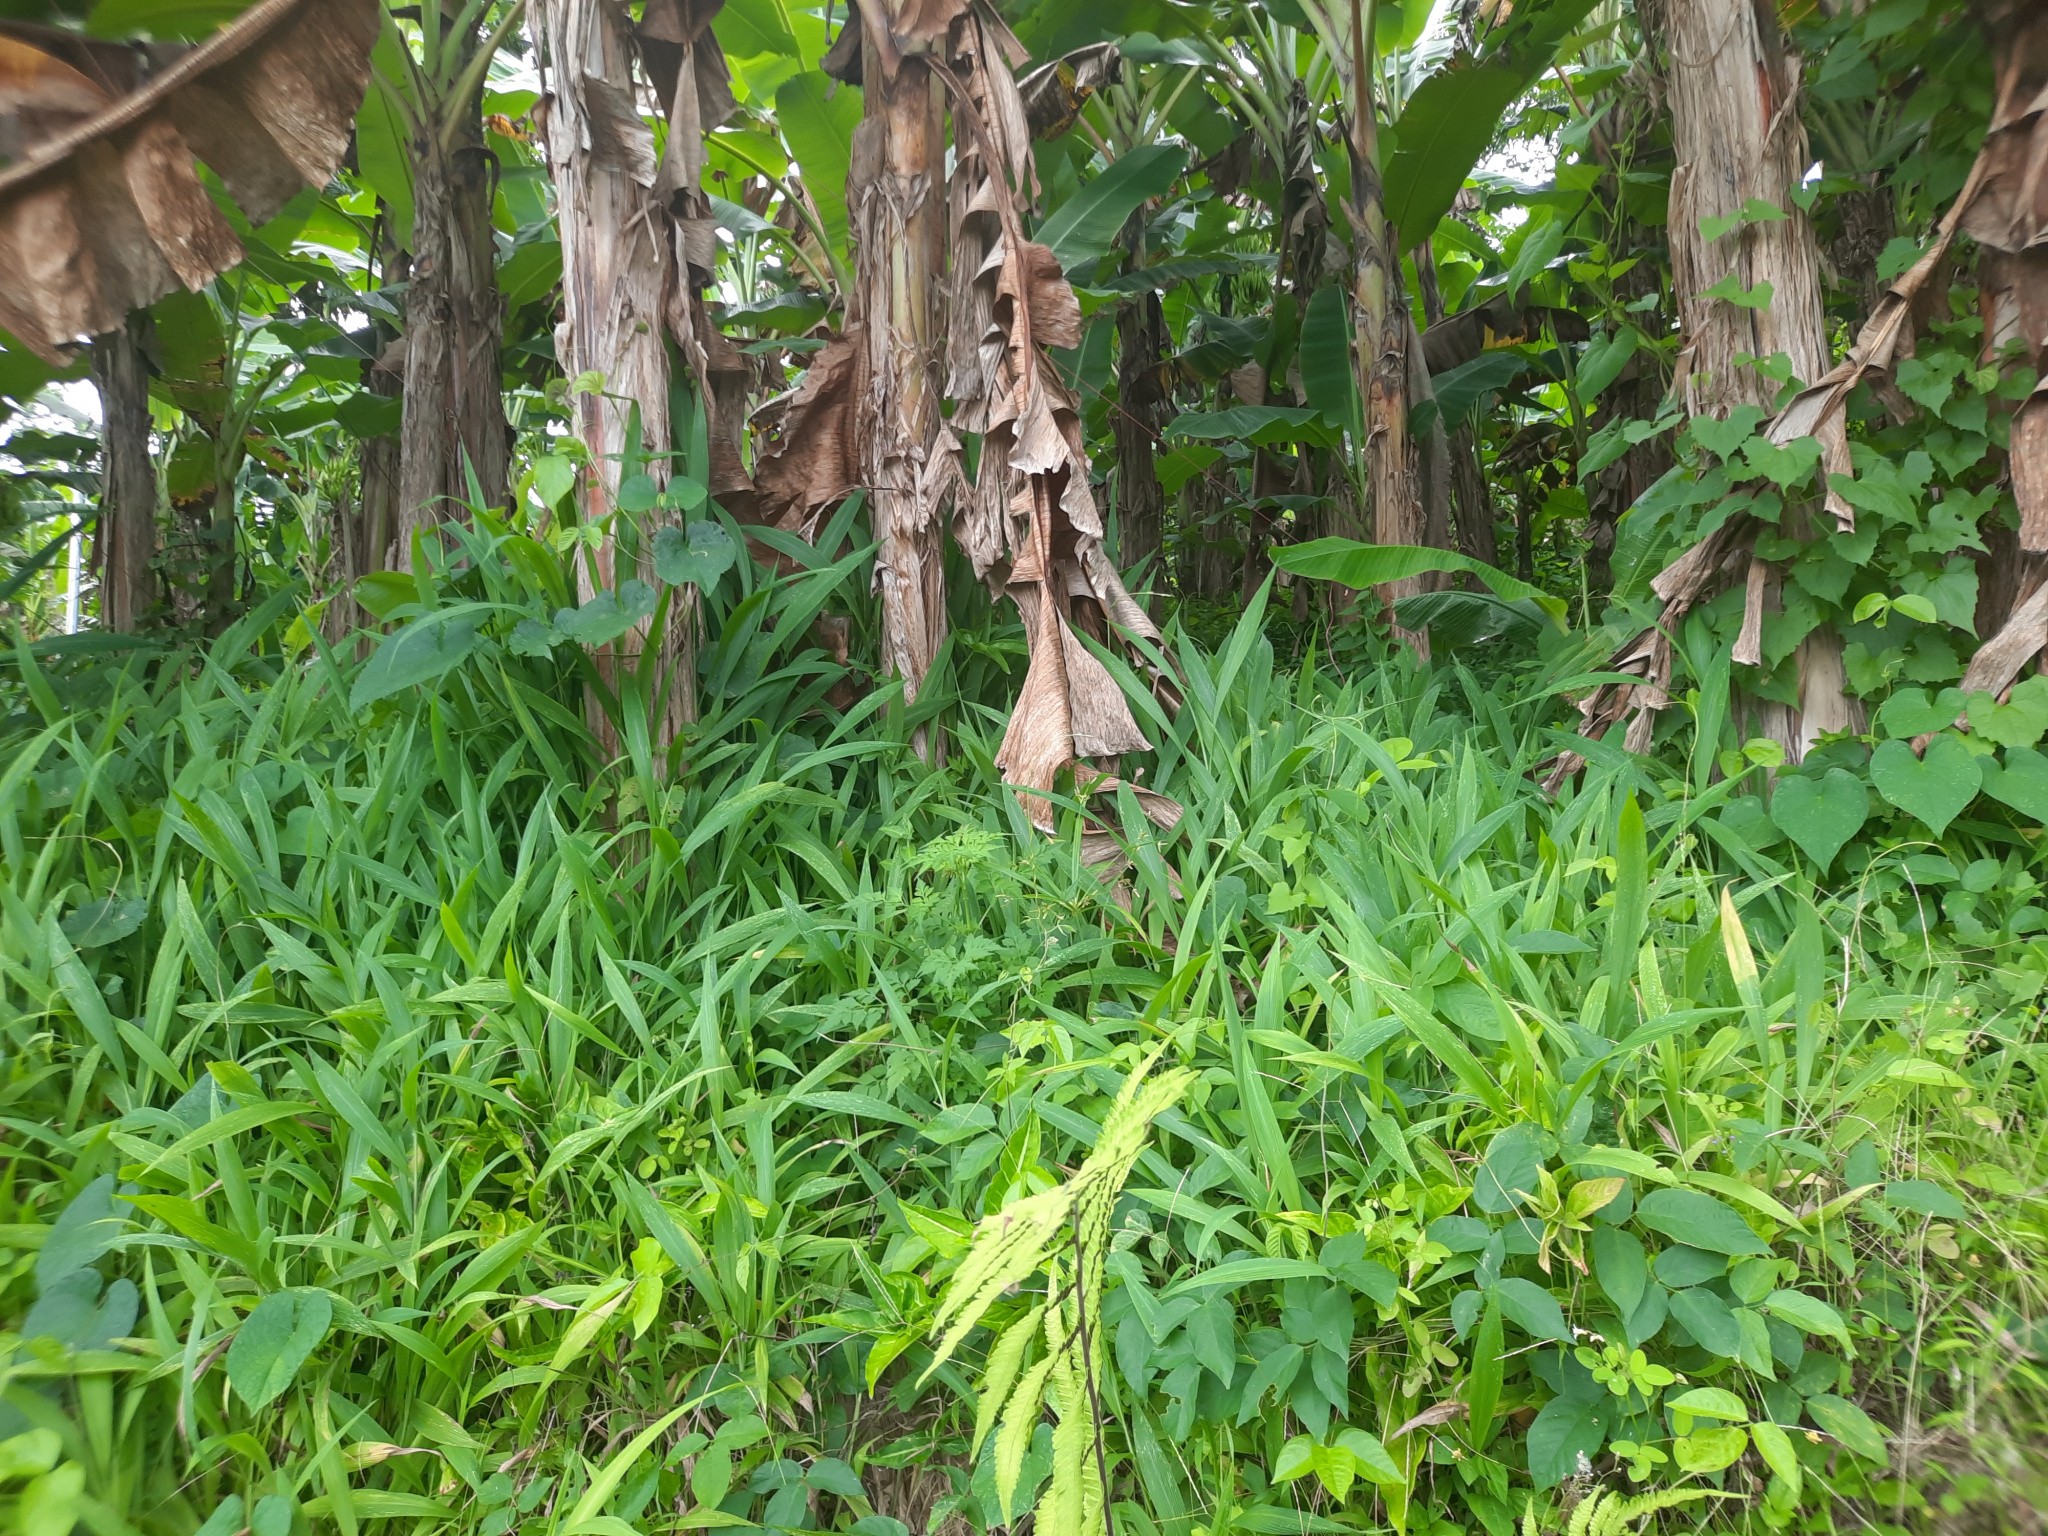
[[1459, 390], [637, 493], [1508, 1174], [1370, 1457], [273, 1341], [1359, 566], [1619, 1266], [1604, 358], [1923, 1197], [1452, 118], [425, 650], [604, 618], [1327, 376], [105, 921], [554, 477], [819, 128], [1086, 225], [751, 28], [698, 555], [1709, 1320], [1732, 290], [1698, 1220], [1850, 1425], [85, 1229], [1262, 425], [1809, 1314], [2019, 779], [1297, 1458], [1821, 814], [1709, 1450], [1531, 1308], [1775, 1447], [1935, 788], [1710, 1403], [1568, 1432]]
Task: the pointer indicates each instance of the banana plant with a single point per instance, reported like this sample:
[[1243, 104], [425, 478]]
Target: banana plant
[[424, 152]]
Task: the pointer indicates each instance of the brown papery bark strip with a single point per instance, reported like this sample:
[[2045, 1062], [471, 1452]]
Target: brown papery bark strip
[[897, 208]]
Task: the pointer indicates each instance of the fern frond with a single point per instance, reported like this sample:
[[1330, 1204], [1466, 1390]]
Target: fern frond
[[1004, 1361], [1009, 1247], [1585, 1516], [1643, 1505], [1020, 1418]]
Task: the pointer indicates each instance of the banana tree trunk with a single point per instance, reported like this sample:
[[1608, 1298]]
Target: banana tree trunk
[[126, 547], [1471, 504], [896, 200], [1140, 502], [1731, 90], [1383, 331], [617, 271], [454, 415], [360, 539]]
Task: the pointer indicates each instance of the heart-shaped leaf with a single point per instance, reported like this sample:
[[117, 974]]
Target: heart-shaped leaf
[[685, 494], [1934, 788], [1723, 436], [637, 493], [416, 654], [104, 921], [699, 555], [2020, 721], [274, 1341], [1909, 712], [608, 615], [1821, 815], [532, 637], [2021, 782], [553, 477]]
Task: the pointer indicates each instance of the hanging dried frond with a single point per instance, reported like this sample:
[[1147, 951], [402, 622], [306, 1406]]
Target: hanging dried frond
[[813, 461], [109, 215], [1055, 93], [687, 69], [1028, 522]]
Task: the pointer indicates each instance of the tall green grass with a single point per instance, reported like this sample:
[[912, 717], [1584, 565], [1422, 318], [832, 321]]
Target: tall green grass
[[414, 1121]]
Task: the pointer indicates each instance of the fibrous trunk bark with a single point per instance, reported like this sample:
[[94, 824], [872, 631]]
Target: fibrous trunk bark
[[897, 205], [454, 419], [1470, 508], [1732, 91], [125, 556], [1140, 502], [360, 538], [617, 270], [1384, 330]]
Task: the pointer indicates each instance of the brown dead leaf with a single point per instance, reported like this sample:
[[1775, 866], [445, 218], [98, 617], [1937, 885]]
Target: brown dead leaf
[[1436, 1413], [1029, 521], [814, 461], [109, 215], [1055, 93]]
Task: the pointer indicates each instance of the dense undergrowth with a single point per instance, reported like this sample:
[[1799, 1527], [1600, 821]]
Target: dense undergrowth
[[410, 1121]]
